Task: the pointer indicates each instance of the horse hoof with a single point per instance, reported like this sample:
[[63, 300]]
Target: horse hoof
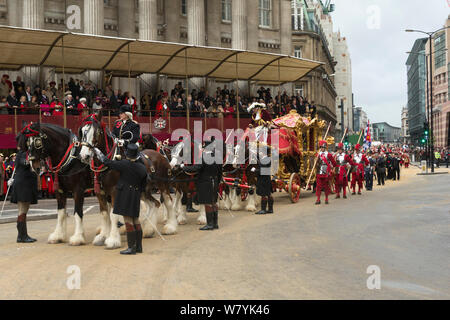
[[112, 243], [77, 240], [98, 230], [169, 229], [99, 240], [148, 234], [250, 208], [182, 221], [201, 221], [55, 239]]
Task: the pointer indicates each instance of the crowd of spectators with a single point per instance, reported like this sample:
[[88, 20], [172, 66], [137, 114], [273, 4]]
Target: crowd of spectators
[[79, 97]]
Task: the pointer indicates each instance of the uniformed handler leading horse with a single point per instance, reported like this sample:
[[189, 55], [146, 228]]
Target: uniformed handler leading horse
[[24, 192], [132, 182]]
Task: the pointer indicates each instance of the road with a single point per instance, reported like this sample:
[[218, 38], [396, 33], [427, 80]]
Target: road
[[302, 251]]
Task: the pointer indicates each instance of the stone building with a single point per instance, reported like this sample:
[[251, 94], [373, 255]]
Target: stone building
[[386, 133], [405, 137], [255, 25], [441, 86]]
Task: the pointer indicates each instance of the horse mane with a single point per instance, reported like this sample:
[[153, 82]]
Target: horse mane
[[57, 129]]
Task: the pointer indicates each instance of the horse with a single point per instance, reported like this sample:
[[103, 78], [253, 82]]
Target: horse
[[58, 148], [94, 133], [183, 182]]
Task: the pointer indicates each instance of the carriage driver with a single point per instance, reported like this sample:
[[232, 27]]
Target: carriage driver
[[126, 129], [24, 190], [132, 182]]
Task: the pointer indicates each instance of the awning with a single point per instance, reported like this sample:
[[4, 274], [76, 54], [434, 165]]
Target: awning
[[77, 53]]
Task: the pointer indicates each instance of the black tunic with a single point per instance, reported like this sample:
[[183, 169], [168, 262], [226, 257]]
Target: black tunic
[[263, 182], [207, 184], [132, 182], [24, 188], [128, 131]]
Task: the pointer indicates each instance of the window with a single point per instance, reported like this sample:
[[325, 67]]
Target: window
[[265, 13], [298, 52], [297, 15], [299, 90], [226, 10], [183, 7], [439, 49]]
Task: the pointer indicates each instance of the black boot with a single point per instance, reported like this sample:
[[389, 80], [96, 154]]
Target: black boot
[[139, 241], [215, 219], [189, 207], [131, 238], [263, 207], [209, 222], [270, 206], [23, 236]]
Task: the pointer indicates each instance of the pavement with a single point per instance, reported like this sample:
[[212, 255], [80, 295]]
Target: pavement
[[303, 251]]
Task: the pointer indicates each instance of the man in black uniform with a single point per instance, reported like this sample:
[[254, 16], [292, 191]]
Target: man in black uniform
[[396, 167], [381, 169], [207, 185], [24, 192], [389, 166], [264, 183], [368, 171], [126, 129], [132, 182]]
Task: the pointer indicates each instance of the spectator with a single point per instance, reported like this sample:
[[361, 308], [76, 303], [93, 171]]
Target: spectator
[[229, 111], [23, 106], [12, 101], [82, 107], [28, 93], [19, 85], [178, 108], [4, 87], [115, 102], [131, 101], [45, 108], [56, 107], [70, 105], [97, 106]]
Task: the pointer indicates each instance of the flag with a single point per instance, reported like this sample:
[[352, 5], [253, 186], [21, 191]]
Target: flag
[[367, 137]]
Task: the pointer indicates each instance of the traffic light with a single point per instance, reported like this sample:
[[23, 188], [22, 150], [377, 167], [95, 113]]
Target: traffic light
[[426, 129]]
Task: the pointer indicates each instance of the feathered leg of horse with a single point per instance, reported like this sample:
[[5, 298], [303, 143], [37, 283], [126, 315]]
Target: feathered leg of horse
[[105, 228], [78, 237], [60, 233]]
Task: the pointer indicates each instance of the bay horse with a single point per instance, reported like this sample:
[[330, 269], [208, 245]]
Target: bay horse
[[58, 149], [93, 133]]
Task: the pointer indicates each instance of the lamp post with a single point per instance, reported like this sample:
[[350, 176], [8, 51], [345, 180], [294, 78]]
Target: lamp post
[[430, 37]]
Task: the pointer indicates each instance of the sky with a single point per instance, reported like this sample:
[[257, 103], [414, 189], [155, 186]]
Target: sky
[[378, 44]]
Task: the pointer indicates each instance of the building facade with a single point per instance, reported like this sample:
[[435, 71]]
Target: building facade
[[343, 82], [417, 86], [405, 137], [359, 119], [440, 71], [254, 25], [312, 29], [386, 133]]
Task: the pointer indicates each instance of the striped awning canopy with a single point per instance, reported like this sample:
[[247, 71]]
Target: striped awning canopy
[[76, 53]]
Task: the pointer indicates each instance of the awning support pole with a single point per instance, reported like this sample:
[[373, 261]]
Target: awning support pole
[[187, 92], [237, 95], [64, 83]]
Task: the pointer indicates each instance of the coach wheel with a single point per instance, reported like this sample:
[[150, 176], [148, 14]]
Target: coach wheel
[[294, 187]]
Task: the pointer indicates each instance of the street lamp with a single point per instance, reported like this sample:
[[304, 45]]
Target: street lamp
[[430, 37]]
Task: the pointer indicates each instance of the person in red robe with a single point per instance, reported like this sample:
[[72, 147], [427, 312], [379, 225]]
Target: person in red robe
[[344, 162], [359, 161], [325, 164]]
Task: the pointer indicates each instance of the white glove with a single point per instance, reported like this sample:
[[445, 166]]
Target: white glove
[[253, 170], [120, 142], [10, 182], [182, 165]]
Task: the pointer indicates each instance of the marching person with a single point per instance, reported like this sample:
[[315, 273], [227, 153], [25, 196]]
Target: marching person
[[325, 164], [207, 185], [264, 183], [126, 129], [396, 167], [24, 192], [381, 169], [359, 161], [368, 171], [132, 182], [344, 162]]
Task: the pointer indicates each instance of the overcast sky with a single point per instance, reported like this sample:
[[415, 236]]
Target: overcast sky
[[378, 51]]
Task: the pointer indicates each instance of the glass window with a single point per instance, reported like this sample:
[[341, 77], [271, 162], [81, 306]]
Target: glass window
[[298, 52], [297, 15], [439, 49], [299, 90], [265, 13], [183, 7], [226, 10]]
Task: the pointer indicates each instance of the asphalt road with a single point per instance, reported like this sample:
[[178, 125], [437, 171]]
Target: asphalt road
[[303, 251]]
